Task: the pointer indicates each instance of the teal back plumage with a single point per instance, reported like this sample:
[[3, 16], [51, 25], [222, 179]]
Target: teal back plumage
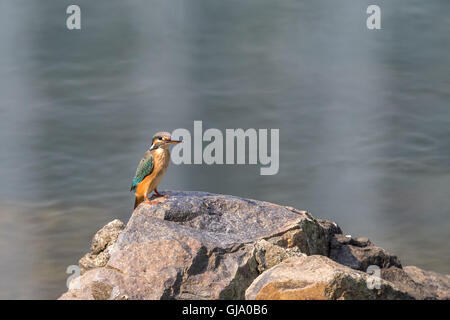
[[144, 168]]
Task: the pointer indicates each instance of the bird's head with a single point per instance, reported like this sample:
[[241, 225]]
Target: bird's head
[[162, 140]]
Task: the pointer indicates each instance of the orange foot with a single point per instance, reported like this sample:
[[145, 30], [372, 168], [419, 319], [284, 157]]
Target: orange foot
[[160, 195], [151, 202], [147, 200]]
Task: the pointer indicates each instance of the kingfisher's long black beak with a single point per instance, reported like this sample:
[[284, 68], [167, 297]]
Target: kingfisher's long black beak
[[173, 141]]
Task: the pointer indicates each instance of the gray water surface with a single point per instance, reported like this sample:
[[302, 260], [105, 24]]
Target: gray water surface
[[364, 118]]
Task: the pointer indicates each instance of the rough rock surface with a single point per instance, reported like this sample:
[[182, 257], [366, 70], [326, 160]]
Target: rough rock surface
[[198, 245], [360, 253], [421, 284], [101, 246], [318, 278]]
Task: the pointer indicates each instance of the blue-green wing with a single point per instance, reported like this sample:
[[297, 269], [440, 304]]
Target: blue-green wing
[[144, 168]]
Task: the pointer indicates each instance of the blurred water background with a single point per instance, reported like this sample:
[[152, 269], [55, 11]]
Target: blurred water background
[[364, 118]]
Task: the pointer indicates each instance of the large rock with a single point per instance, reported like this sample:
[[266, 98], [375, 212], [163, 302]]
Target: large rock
[[319, 278], [198, 245]]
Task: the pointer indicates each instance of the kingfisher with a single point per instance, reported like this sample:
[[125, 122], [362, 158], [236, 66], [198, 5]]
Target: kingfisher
[[151, 168]]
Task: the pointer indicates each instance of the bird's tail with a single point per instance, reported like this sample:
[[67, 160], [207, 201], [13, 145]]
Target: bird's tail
[[138, 200]]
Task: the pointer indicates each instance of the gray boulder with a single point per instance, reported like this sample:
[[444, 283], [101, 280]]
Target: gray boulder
[[197, 245]]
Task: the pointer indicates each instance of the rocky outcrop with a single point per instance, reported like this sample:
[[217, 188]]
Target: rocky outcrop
[[198, 245]]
